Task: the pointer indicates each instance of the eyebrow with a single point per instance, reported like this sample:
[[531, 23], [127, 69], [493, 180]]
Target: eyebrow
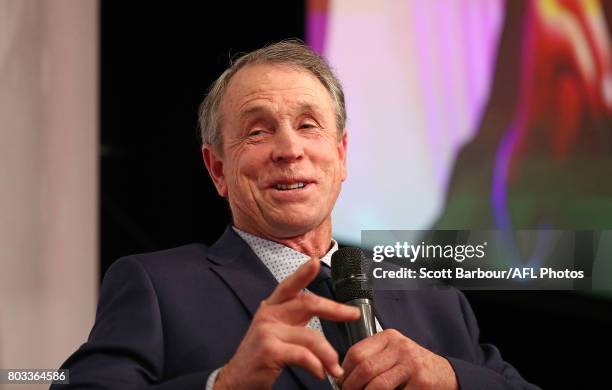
[[252, 110], [307, 107]]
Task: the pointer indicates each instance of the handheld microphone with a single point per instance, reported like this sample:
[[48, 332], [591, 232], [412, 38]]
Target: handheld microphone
[[351, 286]]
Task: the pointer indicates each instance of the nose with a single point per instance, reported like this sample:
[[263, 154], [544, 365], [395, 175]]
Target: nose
[[288, 146]]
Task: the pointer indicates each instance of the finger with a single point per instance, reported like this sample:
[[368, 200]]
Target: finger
[[316, 343], [296, 282], [393, 378], [307, 305], [296, 355], [365, 349], [369, 369]]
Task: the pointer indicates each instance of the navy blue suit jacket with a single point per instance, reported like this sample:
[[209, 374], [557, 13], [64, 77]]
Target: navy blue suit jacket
[[166, 320]]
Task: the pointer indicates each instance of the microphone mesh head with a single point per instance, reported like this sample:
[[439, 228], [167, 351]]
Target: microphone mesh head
[[350, 275]]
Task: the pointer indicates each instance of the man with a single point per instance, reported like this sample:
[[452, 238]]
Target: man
[[236, 315]]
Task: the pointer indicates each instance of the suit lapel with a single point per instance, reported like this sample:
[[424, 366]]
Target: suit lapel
[[241, 270], [251, 281]]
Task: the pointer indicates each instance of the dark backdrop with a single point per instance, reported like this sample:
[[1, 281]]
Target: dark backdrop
[[157, 60]]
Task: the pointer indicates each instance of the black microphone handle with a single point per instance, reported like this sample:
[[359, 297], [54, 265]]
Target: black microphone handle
[[365, 326]]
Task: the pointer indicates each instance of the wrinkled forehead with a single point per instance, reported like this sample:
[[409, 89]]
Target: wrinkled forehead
[[275, 84]]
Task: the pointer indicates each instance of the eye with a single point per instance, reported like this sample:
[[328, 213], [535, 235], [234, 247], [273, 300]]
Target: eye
[[255, 133], [307, 125]]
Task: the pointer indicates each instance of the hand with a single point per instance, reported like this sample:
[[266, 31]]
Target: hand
[[390, 360], [277, 336]]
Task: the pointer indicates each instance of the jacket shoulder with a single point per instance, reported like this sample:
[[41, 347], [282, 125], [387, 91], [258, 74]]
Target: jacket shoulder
[[185, 258], [189, 252]]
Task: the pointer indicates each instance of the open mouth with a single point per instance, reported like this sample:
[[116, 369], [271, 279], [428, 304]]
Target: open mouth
[[289, 187]]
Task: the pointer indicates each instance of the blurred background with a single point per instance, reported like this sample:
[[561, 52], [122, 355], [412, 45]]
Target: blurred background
[[463, 114]]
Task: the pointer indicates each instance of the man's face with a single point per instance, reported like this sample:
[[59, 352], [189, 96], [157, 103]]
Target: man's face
[[282, 163]]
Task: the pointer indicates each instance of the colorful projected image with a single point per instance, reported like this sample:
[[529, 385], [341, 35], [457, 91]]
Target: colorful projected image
[[472, 114]]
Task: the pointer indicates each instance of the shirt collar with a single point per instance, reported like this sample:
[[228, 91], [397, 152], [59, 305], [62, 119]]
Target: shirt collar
[[281, 260]]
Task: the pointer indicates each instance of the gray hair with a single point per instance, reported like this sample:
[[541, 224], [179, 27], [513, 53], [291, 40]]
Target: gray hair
[[292, 52]]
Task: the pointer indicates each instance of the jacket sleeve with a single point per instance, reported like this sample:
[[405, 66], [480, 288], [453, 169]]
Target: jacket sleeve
[[125, 349], [489, 371]]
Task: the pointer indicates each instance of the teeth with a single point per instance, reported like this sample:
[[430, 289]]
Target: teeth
[[290, 186]]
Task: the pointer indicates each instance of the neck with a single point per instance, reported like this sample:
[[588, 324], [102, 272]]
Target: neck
[[310, 243], [313, 243]]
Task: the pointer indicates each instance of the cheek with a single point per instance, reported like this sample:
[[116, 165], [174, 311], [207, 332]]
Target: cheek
[[245, 173], [332, 176], [232, 172], [332, 161]]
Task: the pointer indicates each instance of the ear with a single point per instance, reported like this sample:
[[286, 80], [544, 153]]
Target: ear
[[214, 165], [342, 149]]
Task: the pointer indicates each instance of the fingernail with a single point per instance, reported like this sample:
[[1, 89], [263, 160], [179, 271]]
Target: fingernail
[[338, 371]]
